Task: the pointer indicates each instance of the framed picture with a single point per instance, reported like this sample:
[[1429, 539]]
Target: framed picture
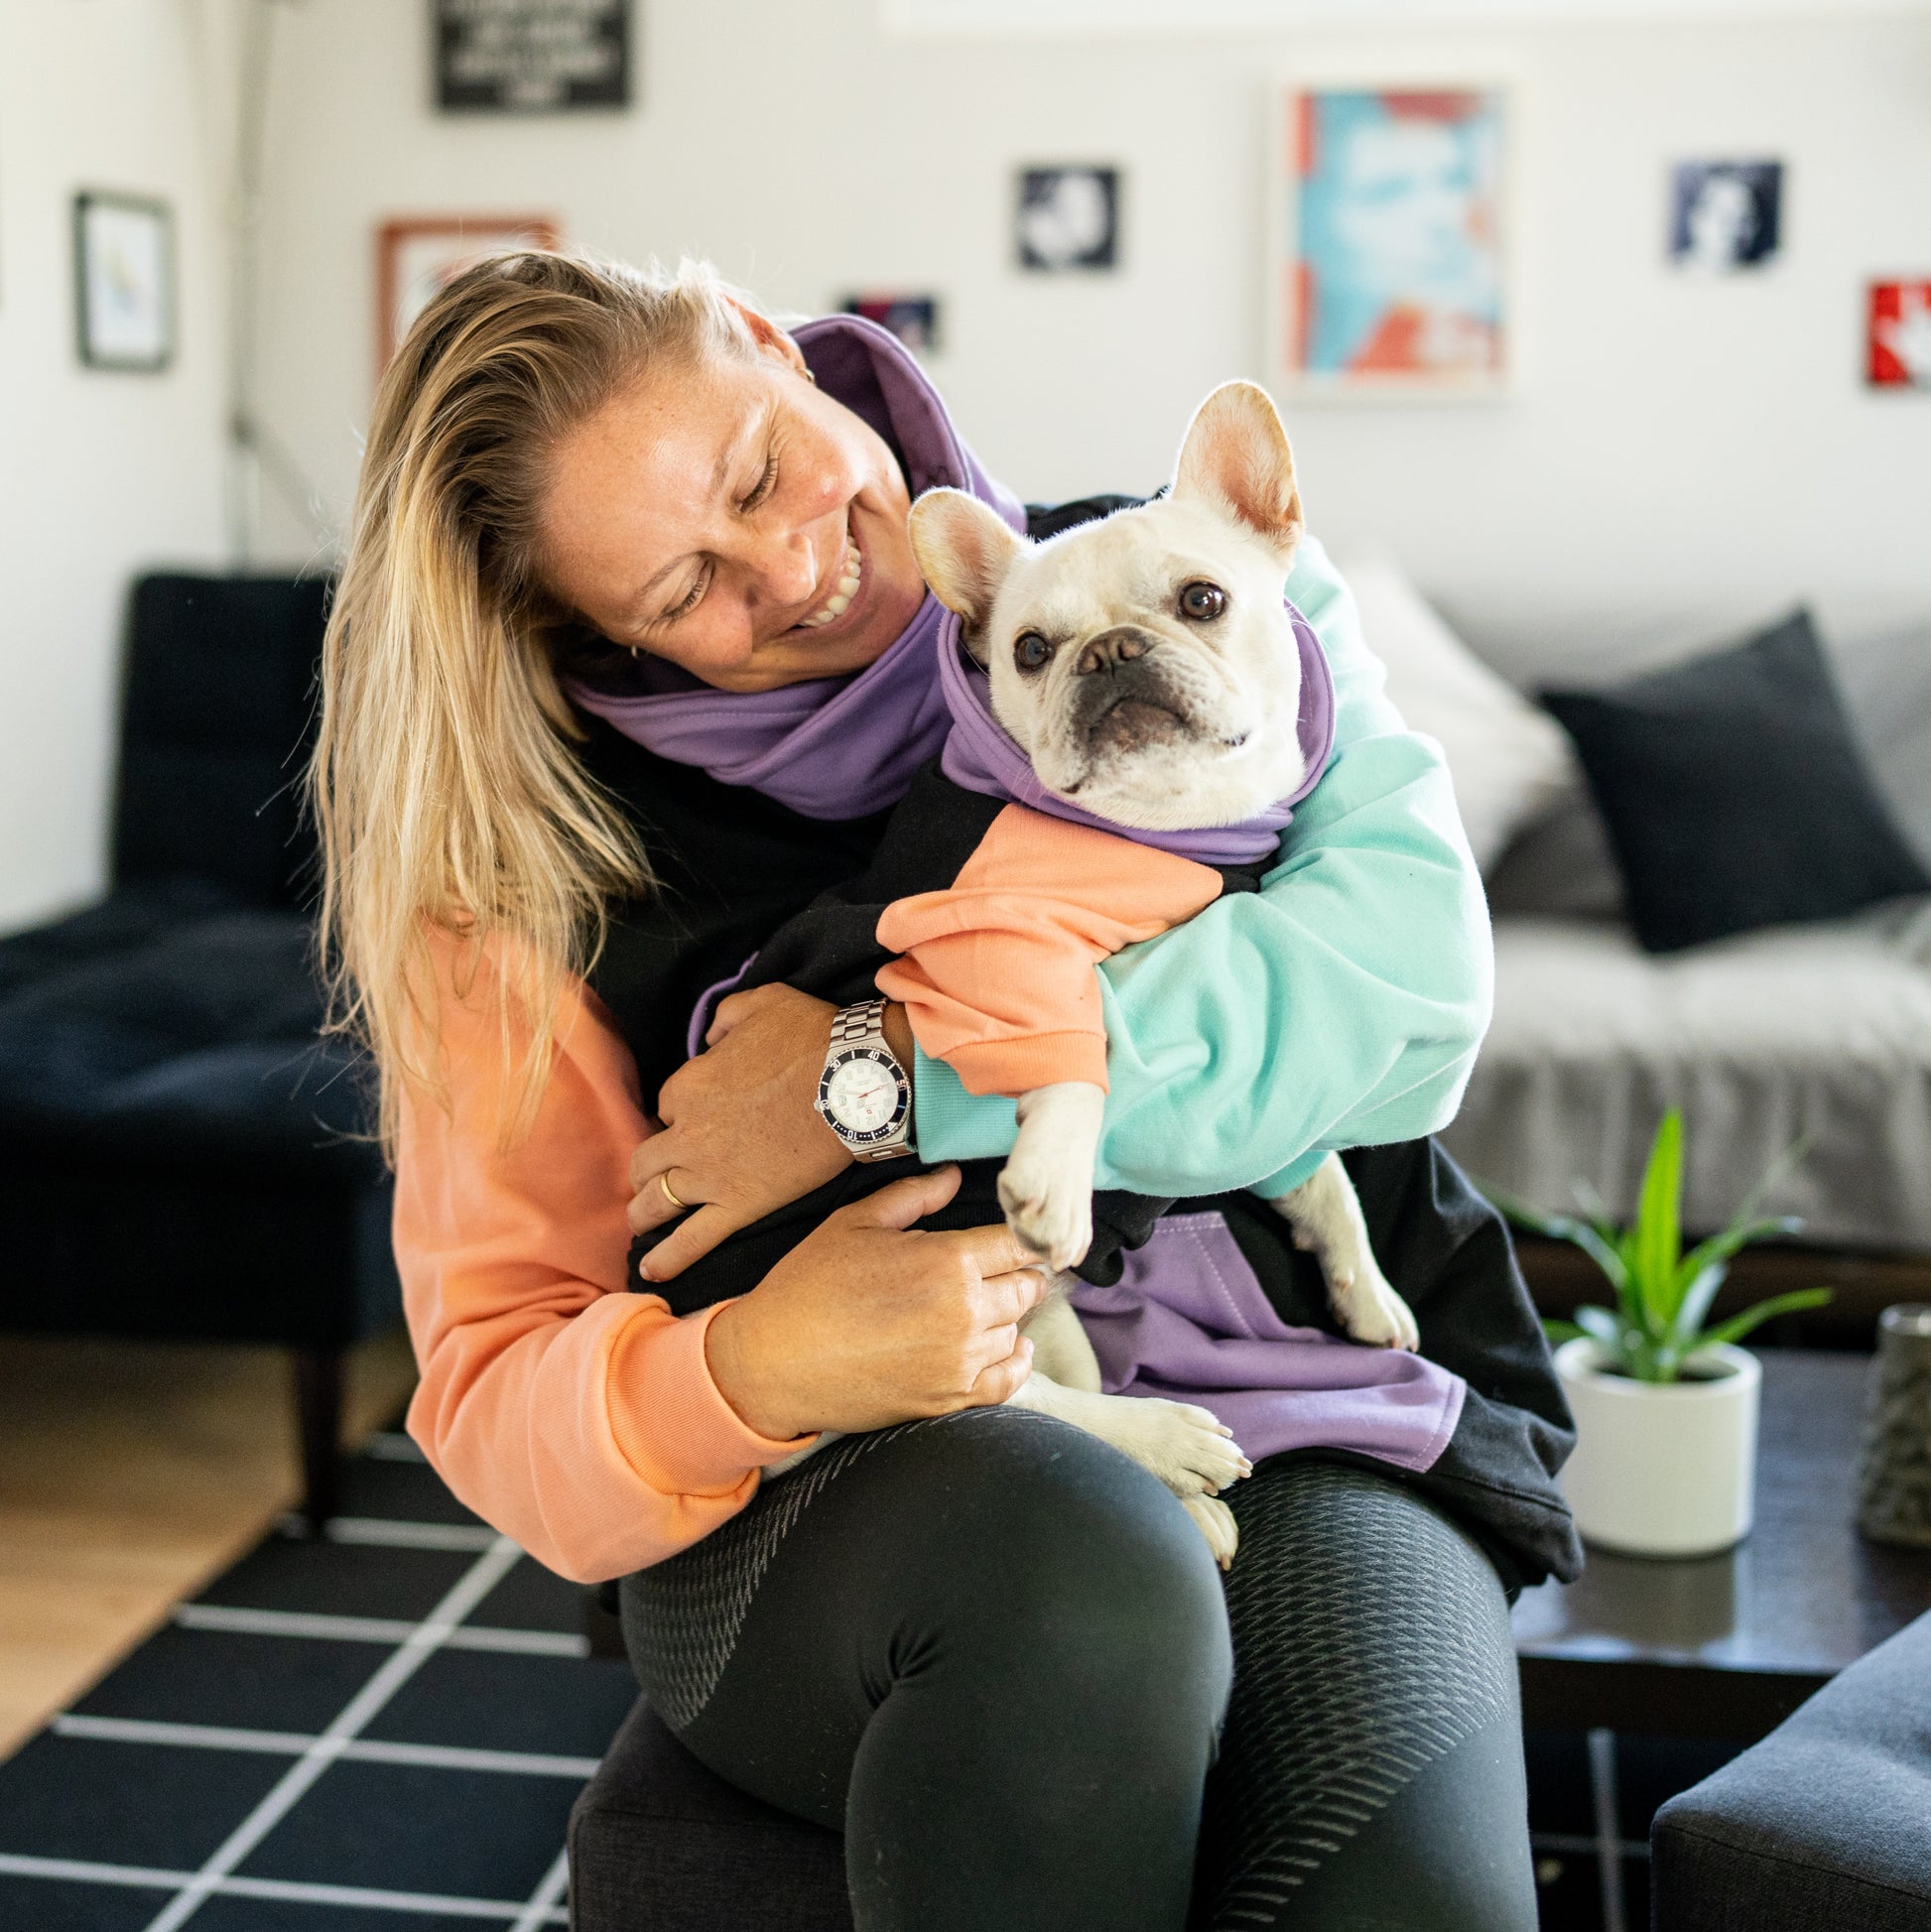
[[1897, 336], [532, 56], [913, 318], [416, 254], [124, 282], [1066, 219], [1389, 241], [1724, 215]]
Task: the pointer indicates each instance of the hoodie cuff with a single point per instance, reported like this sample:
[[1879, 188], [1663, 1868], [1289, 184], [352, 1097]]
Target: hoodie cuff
[[670, 1419], [951, 1124]]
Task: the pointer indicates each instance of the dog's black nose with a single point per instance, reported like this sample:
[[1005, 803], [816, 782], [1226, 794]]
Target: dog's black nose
[[1111, 648]]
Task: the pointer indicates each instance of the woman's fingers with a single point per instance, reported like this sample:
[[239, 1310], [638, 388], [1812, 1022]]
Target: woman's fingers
[[689, 1241], [736, 1008], [997, 1251], [650, 1207], [906, 1200], [1010, 1298], [1002, 1379]]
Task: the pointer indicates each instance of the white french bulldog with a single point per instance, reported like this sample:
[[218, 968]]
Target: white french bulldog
[[1147, 668]]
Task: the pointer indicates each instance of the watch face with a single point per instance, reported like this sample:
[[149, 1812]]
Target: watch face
[[863, 1093]]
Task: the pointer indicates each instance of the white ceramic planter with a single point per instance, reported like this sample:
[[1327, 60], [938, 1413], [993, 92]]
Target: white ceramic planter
[[1663, 1469]]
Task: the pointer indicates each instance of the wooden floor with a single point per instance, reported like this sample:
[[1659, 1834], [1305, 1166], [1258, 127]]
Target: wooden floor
[[129, 1472]]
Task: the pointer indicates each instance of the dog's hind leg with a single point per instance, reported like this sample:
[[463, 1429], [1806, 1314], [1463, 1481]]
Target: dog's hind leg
[[1325, 1215]]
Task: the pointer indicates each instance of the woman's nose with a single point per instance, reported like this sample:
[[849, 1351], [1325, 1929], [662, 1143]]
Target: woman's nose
[[788, 566]]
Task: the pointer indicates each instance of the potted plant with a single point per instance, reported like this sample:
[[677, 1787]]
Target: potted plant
[[1666, 1408]]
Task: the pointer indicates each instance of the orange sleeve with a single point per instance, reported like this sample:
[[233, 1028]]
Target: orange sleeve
[[578, 1418], [996, 973]]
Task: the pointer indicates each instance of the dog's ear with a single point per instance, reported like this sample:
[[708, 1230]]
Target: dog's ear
[[964, 552], [1237, 459]]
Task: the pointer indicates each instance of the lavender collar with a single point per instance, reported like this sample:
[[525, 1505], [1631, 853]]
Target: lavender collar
[[981, 756]]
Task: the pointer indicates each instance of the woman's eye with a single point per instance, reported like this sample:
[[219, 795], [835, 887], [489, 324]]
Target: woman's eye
[[1032, 652], [765, 484], [1202, 601], [690, 601]]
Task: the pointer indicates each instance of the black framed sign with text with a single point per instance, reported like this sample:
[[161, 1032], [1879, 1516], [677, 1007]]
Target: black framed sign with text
[[531, 56]]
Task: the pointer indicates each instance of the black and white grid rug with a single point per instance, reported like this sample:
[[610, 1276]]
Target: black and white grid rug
[[382, 1732]]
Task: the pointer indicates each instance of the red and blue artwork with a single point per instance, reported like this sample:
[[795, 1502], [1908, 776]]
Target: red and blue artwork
[[1395, 237]]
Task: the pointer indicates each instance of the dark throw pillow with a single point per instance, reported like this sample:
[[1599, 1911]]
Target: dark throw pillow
[[1734, 793]]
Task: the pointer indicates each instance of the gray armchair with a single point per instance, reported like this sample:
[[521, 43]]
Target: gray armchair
[[1823, 1827]]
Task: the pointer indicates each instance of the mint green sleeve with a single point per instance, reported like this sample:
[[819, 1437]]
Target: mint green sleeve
[[1339, 1007]]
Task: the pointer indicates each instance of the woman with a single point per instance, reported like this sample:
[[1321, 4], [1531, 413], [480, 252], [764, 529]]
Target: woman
[[984, 1645]]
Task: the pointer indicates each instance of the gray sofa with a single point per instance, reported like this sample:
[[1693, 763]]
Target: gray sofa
[[1816, 1032], [1823, 1827]]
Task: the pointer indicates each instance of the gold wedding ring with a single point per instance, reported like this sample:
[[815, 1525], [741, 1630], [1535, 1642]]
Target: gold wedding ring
[[670, 1195]]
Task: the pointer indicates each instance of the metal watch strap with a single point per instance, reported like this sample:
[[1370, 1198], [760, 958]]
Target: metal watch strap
[[865, 1022]]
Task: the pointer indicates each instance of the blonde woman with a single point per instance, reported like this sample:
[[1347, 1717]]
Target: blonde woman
[[626, 668]]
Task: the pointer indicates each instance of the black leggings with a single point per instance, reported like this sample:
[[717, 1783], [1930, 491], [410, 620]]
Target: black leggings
[[997, 1655]]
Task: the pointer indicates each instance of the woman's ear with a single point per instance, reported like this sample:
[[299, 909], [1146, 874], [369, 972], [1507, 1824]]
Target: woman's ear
[[769, 337], [1236, 456], [964, 551]]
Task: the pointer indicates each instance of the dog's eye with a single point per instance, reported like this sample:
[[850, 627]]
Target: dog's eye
[[1201, 601], [1032, 652]]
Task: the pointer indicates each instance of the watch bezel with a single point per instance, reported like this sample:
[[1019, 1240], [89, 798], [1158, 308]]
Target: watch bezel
[[879, 1057]]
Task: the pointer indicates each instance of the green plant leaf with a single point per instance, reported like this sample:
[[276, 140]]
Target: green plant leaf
[[1658, 1244], [1560, 1331], [1600, 1325], [1740, 1325], [1695, 1305], [1561, 1227], [1739, 1234]]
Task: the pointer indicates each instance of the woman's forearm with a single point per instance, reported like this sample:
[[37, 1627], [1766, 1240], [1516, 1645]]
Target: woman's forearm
[[1339, 1007]]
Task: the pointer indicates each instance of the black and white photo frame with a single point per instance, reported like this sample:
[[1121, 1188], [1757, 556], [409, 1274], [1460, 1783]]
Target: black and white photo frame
[[1726, 217], [1065, 220], [124, 282]]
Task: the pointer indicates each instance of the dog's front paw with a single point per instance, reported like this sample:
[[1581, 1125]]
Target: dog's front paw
[[1051, 1213], [1190, 1448], [1217, 1525], [1370, 1310]]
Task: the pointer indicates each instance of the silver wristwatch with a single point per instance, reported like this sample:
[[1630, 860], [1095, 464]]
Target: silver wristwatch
[[864, 1096]]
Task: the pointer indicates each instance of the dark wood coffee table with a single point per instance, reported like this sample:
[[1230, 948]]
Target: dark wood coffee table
[[1728, 1646]]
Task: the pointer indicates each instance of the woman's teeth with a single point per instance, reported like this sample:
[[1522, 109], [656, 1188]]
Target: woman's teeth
[[840, 600]]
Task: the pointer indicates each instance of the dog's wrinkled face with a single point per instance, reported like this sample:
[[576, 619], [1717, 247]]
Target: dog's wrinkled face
[[1145, 664]]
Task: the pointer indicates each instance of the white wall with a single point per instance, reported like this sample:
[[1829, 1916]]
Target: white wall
[[1685, 454], [101, 474]]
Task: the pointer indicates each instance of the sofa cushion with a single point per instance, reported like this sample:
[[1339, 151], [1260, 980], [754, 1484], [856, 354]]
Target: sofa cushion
[[1508, 763], [1821, 1030], [660, 1844], [1823, 1827], [176, 1030], [217, 716], [1735, 794]]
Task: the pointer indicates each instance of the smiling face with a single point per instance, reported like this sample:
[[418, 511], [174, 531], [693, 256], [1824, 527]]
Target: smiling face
[[733, 519], [1145, 665]]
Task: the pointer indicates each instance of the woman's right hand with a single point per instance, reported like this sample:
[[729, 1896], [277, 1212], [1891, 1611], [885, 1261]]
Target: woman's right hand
[[868, 1322]]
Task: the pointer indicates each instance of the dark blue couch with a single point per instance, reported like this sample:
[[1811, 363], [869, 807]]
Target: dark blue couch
[[178, 1150]]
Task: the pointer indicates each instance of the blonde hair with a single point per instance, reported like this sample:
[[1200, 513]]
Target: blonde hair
[[444, 784]]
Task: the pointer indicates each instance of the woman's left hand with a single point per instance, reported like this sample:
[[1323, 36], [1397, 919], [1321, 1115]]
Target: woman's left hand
[[742, 1137]]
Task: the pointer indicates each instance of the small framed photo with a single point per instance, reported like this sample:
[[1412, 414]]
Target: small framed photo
[[1390, 239], [913, 318], [1066, 219], [1897, 336], [1724, 215], [124, 282], [532, 56], [416, 254]]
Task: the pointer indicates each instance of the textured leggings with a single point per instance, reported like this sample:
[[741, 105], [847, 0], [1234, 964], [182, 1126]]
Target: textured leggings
[[997, 1655]]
